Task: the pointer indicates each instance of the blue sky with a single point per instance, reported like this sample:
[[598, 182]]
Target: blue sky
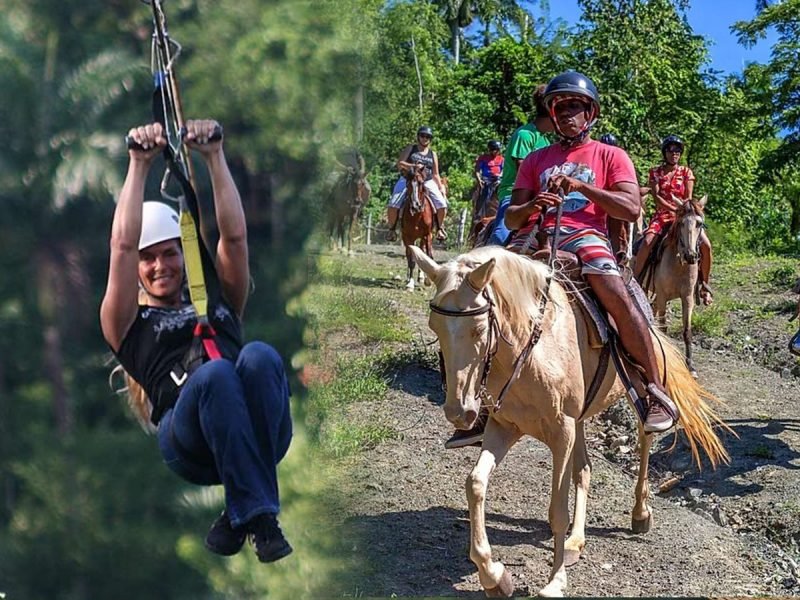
[[711, 19]]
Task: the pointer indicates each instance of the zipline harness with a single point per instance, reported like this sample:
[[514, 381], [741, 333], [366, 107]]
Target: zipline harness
[[167, 111]]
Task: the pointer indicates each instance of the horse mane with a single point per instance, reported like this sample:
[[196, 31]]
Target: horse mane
[[517, 283]]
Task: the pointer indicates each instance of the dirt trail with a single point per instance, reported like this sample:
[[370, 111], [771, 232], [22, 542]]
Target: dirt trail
[[729, 532]]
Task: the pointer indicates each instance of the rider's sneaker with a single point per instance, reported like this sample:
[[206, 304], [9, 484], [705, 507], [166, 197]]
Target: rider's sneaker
[[391, 235], [704, 294], [442, 235], [268, 538], [662, 412], [223, 539], [468, 437]]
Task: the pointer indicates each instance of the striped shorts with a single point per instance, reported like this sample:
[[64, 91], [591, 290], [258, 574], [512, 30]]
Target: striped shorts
[[590, 246]]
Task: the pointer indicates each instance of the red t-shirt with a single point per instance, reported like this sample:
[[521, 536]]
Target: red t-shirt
[[592, 162], [491, 167], [673, 182]]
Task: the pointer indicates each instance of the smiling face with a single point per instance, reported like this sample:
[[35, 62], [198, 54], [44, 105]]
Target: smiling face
[[161, 273], [672, 154], [424, 140]]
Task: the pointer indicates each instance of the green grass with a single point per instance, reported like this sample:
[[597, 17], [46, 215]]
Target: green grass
[[344, 439], [329, 308], [761, 451]]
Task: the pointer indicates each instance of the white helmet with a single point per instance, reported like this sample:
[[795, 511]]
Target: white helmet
[[159, 224]]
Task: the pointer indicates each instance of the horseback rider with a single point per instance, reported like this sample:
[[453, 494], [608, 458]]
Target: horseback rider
[[672, 184], [412, 156], [488, 169], [523, 141], [221, 407], [590, 181]]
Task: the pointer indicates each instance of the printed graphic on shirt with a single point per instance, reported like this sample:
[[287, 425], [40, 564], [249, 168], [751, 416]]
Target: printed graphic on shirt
[[174, 320], [574, 201]]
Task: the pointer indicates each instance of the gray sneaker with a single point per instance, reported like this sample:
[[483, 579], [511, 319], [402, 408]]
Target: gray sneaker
[[662, 412]]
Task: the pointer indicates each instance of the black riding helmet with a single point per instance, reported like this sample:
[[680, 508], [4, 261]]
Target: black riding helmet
[[610, 139], [494, 145], [425, 130], [671, 140], [572, 83]]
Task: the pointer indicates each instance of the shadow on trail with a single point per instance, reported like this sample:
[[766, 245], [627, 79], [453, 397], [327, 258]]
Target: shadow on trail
[[759, 445], [426, 552], [418, 380]]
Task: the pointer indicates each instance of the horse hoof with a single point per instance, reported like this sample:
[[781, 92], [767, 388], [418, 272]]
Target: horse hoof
[[571, 557], [642, 525], [504, 589]]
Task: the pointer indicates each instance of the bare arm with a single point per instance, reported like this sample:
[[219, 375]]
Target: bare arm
[[436, 176], [120, 303], [622, 201], [402, 161], [232, 265], [523, 206]]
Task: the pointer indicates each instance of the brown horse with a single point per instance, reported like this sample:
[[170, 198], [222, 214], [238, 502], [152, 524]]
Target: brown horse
[[349, 192], [490, 306], [417, 221], [675, 272], [484, 208]]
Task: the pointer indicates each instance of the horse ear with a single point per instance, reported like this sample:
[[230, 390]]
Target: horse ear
[[703, 201], [429, 266], [480, 277]]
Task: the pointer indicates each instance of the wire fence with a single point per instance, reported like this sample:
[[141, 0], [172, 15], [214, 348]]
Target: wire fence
[[375, 233]]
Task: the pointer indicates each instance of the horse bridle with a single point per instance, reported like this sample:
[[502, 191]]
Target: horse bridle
[[679, 238], [495, 333], [491, 348]]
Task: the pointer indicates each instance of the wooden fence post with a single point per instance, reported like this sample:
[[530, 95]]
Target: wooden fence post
[[369, 229], [461, 225]]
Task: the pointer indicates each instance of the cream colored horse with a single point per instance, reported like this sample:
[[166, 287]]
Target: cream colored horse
[[491, 300], [675, 275]]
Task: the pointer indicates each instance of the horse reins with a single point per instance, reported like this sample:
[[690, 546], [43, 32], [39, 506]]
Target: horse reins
[[496, 333], [491, 347]]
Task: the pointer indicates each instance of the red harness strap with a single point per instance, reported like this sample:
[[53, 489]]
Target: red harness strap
[[206, 333]]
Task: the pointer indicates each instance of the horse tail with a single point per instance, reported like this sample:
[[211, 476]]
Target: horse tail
[[698, 418]]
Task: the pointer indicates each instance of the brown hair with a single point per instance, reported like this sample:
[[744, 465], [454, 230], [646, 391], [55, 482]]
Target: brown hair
[[137, 398], [540, 110]]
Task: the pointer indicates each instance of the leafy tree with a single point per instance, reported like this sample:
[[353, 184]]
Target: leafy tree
[[647, 62], [784, 76]]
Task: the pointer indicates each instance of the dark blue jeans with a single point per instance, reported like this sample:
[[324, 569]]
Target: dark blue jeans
[[501, 233], [232, 425]]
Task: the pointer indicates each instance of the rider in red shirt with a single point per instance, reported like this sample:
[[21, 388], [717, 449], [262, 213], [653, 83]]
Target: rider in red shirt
[[590, 181], [671, 184], [488, 169]]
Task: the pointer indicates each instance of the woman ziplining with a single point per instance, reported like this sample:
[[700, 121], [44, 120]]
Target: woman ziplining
[[172, 314]]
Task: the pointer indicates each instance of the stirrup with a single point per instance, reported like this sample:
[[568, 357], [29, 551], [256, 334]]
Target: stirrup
[[442, 235], [662, 412]]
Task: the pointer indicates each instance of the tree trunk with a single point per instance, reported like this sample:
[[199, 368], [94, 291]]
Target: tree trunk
[[794, 224], [455, 39], [359, 106]]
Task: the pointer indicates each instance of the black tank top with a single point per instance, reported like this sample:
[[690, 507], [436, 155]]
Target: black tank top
[[157, 343], [426, 159]]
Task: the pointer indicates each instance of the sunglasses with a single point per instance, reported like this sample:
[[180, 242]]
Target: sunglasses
[[675, 150], [425, 136]]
